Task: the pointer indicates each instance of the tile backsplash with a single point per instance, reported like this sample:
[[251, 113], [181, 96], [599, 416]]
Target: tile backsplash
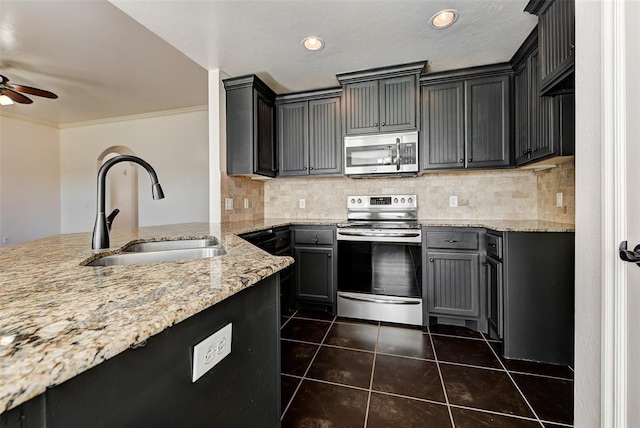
[[511, 194]]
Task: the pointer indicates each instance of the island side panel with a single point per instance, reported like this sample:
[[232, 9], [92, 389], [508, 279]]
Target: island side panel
[[151, 385], [539, 297]]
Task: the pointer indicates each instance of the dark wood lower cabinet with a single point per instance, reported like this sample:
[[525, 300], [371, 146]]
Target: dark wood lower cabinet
[[494, 297], [453, 284], [316, 267], [151, 385]]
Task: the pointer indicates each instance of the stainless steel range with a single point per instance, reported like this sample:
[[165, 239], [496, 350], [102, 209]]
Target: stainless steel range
[[379, 260]]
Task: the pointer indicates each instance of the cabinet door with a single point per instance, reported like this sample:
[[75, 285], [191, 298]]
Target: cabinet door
[[540, 129], [293, 140], [487, 131], [494, 299], [265, 150], [522, 105], [362, 110], [442, 135], [325, 137], [453, 284], [556, 29], [398, 104], [314, 274]]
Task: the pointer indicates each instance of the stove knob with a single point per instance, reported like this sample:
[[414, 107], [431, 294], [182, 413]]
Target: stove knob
[[353, 201], [359, 200], [402, 200], [395, 200], [410, 200]]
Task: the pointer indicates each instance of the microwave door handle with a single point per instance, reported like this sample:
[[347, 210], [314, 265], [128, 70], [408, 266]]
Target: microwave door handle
[[398, 154]]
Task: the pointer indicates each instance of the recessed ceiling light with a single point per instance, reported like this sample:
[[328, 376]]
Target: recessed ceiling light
[[443, 19], [312, 43]]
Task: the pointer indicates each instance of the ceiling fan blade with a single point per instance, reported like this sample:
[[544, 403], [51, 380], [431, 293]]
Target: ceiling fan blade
[[33, 91], [15, 96]]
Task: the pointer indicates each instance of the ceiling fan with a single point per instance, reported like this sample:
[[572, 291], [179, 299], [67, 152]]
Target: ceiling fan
[[13, 91]]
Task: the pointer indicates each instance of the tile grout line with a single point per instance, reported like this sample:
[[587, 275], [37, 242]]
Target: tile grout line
[[373, 368], [514, 383], [444, 389], [304, 376]]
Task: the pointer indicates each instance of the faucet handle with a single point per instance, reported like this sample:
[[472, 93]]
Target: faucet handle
[[111, 216]]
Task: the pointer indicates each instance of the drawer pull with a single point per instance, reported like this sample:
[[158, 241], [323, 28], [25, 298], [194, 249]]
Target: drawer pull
[[451, 241], [431, 260], [493, 245]]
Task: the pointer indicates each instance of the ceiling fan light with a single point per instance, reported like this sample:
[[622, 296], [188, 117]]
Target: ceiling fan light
[[443, 19], [5, 100]]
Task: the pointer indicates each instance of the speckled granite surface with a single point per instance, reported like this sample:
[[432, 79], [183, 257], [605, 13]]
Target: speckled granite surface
[[59, 318]]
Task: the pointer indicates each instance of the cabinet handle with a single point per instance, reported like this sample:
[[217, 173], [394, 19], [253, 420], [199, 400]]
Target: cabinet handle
[[484, 263], [311, 168], [469, 160], [571, 47], [451, 241], [461, 161], [431, 260], [383, 124], [328, 255], [492, 245], [375, 124]]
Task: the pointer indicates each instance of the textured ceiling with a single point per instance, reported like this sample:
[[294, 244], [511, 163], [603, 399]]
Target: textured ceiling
[[103, 63]]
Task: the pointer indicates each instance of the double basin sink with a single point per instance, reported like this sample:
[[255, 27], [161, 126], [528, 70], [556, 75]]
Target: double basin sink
[[162, 251]]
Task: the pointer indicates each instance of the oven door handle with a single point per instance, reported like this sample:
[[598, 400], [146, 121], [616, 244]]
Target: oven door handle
[[379, 300], [380, 235]]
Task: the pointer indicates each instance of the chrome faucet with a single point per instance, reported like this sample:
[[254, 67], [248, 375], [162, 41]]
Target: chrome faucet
[[101, 228]]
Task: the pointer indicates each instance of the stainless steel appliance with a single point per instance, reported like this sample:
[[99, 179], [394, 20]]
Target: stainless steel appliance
[[381, 154], [379, 260]]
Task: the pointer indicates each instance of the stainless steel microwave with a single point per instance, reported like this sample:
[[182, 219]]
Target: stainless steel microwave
[[381, 154]]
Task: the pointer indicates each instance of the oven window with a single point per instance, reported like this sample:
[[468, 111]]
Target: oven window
[[380, 268]]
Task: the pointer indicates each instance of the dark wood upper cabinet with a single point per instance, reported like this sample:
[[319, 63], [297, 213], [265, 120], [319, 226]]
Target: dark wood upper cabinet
[[250, 127], [466, 119], [543, 124], [556, 32], [309, 133], [382, 99]]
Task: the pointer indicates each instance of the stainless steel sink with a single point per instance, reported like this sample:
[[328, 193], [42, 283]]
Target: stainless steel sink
[[176, 244], [162, 251]]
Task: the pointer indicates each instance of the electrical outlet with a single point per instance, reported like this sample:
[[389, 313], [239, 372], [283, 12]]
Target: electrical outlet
[[211, 351], [453, 201], [228, 204], [303, 203], [559, 199], [246, 203]]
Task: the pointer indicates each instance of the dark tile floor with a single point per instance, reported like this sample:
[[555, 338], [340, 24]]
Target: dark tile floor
[[345, 373]]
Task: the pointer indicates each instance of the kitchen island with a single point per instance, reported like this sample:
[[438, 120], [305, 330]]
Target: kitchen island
[[59, 318]]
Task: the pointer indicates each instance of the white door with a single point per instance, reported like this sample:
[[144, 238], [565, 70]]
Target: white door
[[633, 207]]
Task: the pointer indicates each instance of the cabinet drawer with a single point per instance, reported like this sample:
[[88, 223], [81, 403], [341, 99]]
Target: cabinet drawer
[[315, 237], [494, 246], [455, 240]]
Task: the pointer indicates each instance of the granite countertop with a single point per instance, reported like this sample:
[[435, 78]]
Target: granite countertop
[[59, 318]]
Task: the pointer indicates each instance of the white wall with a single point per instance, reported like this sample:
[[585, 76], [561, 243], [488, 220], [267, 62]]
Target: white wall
[[175, 144], [29, 181], [588, 300]]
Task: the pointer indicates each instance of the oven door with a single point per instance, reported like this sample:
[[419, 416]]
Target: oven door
[[380, 268]]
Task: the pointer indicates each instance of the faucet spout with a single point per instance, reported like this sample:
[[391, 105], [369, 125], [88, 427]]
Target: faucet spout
[[100, 239]]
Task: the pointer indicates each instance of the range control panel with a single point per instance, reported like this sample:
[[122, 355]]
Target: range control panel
[[383, 201]]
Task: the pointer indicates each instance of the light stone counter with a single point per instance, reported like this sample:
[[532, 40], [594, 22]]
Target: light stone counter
[[59, 318]]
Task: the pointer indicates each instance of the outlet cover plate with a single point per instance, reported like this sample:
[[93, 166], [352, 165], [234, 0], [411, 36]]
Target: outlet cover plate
[[453, 201], [211, 351], [303, 203], [228, 204]]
